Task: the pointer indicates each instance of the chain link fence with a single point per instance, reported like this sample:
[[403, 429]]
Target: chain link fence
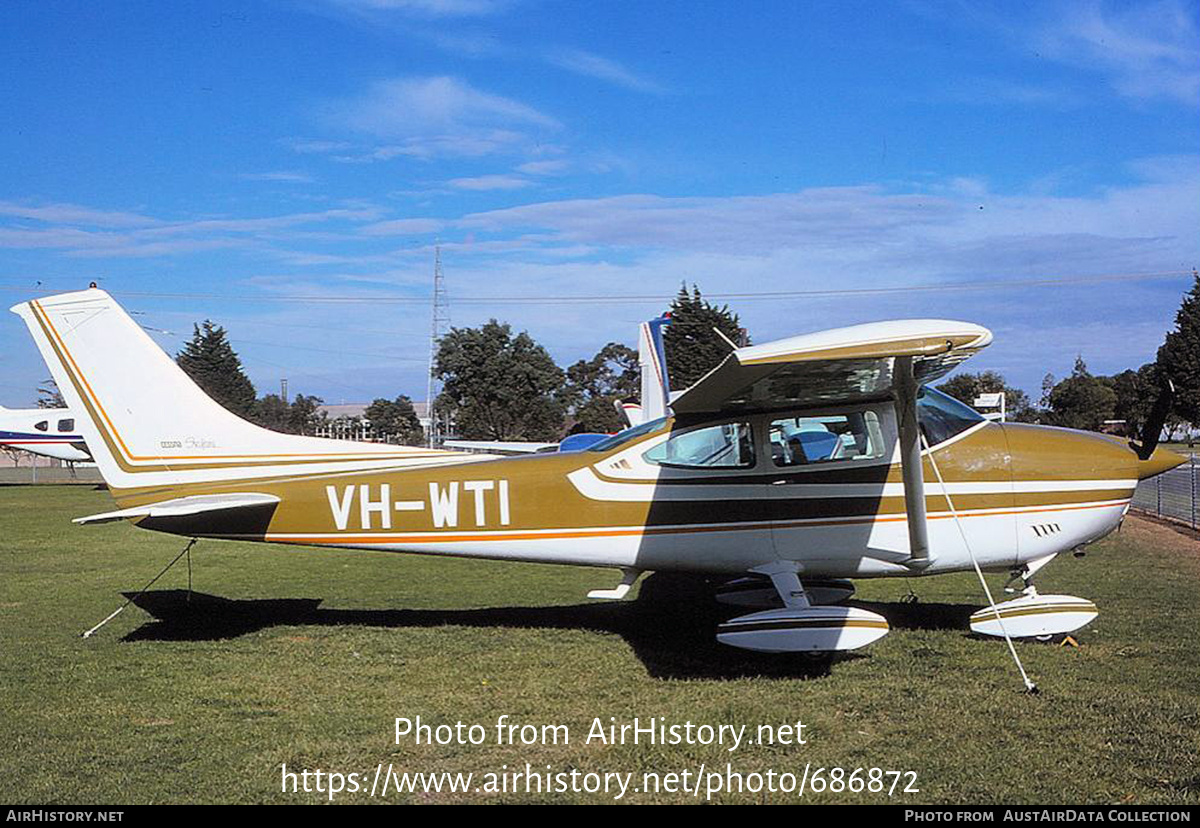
[[14, 475], [1172, 494]]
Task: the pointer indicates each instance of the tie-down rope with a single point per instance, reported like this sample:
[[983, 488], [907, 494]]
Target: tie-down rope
[[1029, 685]]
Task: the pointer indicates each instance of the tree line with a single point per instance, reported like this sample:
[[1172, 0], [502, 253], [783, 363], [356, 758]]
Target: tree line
[[1123, 400], [498, 385], [501, 386], [212, 363]]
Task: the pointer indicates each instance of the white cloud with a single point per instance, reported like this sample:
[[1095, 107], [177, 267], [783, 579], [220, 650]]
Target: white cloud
[[1148, 50], [73, 214], [425, 8], [472, 144], [403, 227], [490, 182], [107, 234], [944, 230], [813, 240], [544, 167], [428, 117], [320, 147], [407, 107], [601, 68], [282, 176]]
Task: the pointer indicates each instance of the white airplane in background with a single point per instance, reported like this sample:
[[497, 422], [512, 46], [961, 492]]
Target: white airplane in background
[[50, 432]]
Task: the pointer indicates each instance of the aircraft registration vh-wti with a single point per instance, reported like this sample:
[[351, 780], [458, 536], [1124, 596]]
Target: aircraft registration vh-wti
[[793, 467]]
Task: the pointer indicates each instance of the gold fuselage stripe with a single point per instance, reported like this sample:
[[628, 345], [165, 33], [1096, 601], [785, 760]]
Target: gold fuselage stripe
[[599, 532]]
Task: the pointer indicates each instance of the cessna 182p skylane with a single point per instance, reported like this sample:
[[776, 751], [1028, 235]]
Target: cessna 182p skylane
[[816, 457]]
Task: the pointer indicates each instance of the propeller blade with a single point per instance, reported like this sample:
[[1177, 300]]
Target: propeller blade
[[1154, 423]]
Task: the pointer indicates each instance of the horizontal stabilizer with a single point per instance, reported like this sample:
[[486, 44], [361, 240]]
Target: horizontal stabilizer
[[185, 506], [500, 446]]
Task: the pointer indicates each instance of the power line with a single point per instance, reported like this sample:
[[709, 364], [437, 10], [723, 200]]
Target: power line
[[292, 346], [618, 299]]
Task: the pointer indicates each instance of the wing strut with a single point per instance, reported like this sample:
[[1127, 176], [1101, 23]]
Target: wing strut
[[910, 463]]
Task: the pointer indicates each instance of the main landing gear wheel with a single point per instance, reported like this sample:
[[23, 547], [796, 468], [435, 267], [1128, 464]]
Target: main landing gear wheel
[[800, 627]]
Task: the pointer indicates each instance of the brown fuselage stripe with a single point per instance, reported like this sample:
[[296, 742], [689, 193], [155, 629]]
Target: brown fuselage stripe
[[631, 532]]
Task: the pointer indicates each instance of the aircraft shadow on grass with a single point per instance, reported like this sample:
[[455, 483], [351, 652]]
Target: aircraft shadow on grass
[[670, 626]]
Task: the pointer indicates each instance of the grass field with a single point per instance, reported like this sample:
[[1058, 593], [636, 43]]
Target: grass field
[[289, 655]]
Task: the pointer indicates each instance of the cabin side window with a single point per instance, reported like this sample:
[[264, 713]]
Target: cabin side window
[[802, 441], [66, 425], [942, 417], [720, 446]]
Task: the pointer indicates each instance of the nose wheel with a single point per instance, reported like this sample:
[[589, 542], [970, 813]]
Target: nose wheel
[[1025, 576], [1033, 615]]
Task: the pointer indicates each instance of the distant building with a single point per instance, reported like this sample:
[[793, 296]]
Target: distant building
[[1112, 427], [347, 421]]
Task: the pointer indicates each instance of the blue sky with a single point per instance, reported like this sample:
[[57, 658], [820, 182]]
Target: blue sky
[[284, 168]]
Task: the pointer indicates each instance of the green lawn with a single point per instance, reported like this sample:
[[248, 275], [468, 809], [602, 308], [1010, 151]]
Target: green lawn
[[306, 657]]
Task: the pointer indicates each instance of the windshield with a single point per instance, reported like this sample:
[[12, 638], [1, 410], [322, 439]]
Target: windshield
[[941, 416], [629, 434]]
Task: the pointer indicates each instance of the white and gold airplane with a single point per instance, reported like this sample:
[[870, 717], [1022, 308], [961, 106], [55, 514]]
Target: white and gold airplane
[[823, 456]]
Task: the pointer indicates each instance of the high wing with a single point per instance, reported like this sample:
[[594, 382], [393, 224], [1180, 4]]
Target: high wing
[[858, 364], [845, 365]]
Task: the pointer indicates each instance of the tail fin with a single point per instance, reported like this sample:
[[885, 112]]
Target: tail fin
[[148, 425], [652, 357]]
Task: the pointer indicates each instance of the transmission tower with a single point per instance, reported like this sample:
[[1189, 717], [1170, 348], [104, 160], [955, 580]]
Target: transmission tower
[[439, 323]]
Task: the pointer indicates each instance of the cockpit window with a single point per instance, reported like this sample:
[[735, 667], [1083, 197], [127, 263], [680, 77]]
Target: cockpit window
[[628, 435], [799, 441], [941, 416], [42, 426], [728, 444]]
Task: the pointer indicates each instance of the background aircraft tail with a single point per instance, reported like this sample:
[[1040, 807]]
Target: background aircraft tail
[[148, 424], [652, 357]]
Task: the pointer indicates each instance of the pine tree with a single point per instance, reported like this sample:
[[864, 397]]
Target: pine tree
[[1179, 356], [272, 412], [693, 347], [211, 362]]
